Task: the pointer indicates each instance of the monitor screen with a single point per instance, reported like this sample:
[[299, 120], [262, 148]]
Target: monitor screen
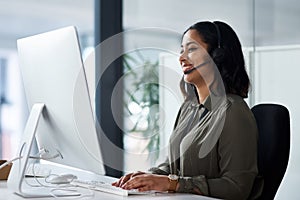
[[53, 74]]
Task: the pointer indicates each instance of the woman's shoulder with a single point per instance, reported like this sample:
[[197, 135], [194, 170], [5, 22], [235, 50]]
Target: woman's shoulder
[[234, 98], [238, 108], [239, 120], [236, 101]]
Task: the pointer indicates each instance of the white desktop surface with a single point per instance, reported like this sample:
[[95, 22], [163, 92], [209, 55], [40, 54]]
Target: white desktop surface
[[6, 194]]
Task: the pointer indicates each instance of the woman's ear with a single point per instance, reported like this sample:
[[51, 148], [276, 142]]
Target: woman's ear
[[218, 55]]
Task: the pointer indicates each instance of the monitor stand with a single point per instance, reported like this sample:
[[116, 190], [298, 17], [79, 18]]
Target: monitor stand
[[16, 177]]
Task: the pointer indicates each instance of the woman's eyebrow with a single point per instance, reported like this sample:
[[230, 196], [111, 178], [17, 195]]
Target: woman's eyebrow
[[189, 43]]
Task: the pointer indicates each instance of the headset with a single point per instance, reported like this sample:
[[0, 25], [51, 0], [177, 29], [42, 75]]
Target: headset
[[219, 53]]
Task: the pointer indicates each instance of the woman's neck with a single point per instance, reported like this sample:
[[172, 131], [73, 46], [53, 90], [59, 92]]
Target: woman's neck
[[202, 91]]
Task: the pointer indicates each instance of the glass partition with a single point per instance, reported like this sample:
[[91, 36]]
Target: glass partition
[[269, 34], [276, 68], [20, 19], [172, 21]]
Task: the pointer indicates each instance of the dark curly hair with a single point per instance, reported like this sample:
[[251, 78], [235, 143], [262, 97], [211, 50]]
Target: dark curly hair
[[226, 51]]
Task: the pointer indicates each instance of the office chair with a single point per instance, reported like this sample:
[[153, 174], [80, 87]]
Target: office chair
[[273, 123]]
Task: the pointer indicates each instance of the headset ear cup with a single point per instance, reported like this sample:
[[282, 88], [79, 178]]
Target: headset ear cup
[[218, 55]]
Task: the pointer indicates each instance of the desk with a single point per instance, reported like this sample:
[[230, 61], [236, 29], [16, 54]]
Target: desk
[[6, 194]]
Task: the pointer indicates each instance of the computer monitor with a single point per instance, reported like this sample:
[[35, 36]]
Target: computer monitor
[[61, 117]]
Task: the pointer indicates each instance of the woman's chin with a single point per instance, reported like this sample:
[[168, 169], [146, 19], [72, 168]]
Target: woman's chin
[[188, 78]]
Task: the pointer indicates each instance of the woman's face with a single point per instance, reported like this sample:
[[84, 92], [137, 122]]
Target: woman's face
[[194, 53]]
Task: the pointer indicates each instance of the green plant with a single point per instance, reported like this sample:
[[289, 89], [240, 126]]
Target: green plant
[[142, 100]]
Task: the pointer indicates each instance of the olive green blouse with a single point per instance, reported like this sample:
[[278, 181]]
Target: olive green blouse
[[213, 148]]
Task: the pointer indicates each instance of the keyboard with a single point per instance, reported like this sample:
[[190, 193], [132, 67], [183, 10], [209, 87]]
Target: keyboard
[[106, 187]]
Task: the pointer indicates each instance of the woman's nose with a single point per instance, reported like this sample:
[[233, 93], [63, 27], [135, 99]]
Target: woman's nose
[[182, 58]]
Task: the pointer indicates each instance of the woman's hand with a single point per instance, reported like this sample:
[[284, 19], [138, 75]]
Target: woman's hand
[[146, 182], [125, 178]]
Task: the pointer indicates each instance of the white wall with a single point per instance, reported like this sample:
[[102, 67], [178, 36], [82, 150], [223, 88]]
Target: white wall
[[170, 98], [276, 76]]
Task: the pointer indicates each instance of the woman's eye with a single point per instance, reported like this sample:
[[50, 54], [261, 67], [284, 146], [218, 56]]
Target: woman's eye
[[192, 49]]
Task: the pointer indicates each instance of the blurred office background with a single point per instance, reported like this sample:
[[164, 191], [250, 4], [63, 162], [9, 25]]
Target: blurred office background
[[268, 30]]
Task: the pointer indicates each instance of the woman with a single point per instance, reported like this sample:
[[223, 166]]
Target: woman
[[213, 147]]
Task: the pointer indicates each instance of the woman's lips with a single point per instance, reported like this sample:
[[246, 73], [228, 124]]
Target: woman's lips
[[187, 68]]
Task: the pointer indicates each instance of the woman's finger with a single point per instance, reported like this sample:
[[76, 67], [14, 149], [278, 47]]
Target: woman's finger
[[124, 179], [133, 183], [121, 181], [117, 183], [137, 174]]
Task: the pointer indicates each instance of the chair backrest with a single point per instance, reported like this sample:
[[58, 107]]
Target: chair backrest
[[273, 123]]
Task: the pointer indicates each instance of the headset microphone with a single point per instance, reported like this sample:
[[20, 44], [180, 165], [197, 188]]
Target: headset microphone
[[198, 66]]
